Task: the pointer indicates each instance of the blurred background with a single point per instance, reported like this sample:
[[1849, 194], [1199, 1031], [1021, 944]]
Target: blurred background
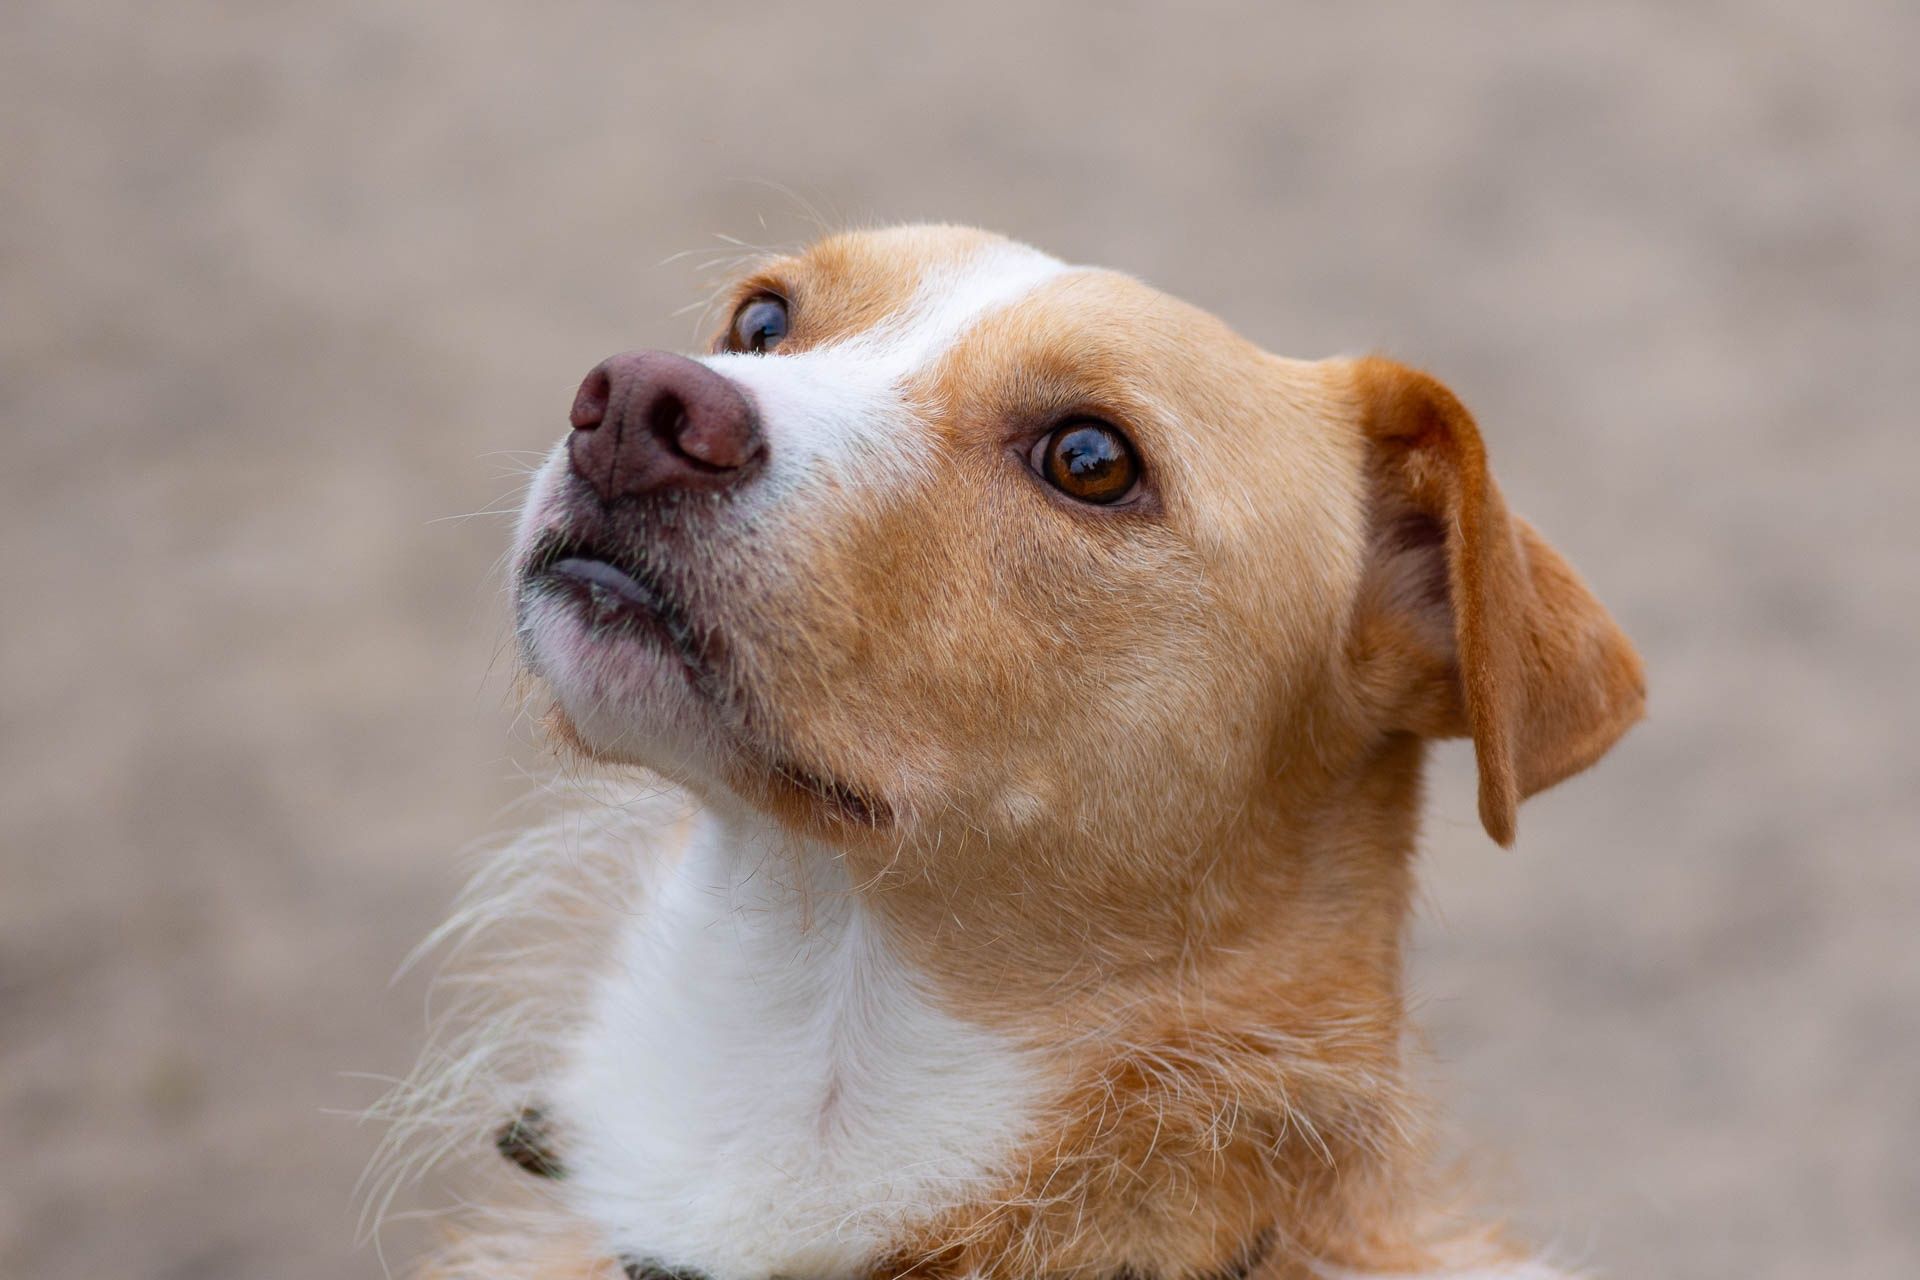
[[285, 290]]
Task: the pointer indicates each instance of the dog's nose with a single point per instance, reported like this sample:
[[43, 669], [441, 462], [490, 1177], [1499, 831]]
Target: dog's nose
[[649, 421]]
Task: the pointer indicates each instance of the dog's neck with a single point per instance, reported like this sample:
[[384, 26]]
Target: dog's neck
[[1229, 1016], [792, 1068]]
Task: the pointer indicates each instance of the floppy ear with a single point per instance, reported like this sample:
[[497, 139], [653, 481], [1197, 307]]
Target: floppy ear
[[1469, 622]]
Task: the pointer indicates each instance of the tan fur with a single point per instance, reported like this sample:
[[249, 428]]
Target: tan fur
[[1150, 779]]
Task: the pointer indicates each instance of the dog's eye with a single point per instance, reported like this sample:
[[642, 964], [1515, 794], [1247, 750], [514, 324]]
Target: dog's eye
[[759, 324], [1086, 459]]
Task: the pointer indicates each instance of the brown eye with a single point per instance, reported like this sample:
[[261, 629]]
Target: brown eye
[[759, 324], [1088, 460]]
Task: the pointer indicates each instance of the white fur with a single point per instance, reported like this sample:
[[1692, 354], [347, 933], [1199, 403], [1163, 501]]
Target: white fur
[[762, 1086]]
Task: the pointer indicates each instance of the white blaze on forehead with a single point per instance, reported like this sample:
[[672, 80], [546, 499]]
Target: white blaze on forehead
[[840, 409], [950, 302]]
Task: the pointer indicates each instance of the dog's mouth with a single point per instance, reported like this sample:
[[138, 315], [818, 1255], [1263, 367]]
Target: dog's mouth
[[832, 799], [618, 596]]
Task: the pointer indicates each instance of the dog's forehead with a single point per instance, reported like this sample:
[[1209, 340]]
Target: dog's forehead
[[909, 294], [952, 307]]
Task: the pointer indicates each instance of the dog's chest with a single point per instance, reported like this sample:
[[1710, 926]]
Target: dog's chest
[[764, 1089]]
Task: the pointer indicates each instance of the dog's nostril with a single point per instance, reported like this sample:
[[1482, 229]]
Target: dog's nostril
[[590, 402], [712, 442], [668, 421]]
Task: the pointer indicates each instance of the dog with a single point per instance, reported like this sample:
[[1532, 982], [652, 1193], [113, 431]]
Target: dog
[[1044, 675]]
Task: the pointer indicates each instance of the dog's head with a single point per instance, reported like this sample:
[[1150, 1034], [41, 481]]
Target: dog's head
[[946, 539]]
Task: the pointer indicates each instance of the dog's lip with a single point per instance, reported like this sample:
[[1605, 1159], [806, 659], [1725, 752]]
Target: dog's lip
[[615, 590], [834, 798], [604, 575]]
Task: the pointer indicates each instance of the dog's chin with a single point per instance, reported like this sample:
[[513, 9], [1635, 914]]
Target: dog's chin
[[624, 692]]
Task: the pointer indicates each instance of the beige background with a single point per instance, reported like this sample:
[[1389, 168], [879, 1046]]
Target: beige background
[[283, 286]]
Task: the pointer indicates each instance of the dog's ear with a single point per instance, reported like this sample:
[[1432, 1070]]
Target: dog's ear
[[1468, 622]]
